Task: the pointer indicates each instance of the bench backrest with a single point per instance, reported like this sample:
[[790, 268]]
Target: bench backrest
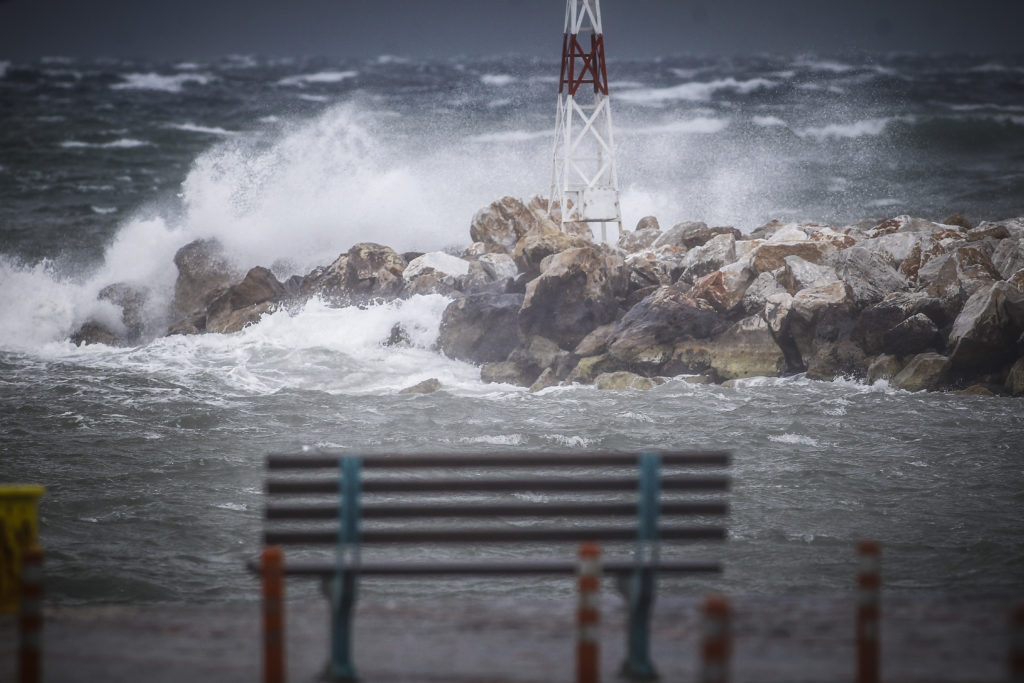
[[353, 504]]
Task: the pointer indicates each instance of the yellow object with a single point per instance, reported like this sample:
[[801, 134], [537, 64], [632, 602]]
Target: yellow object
[[19, 530]]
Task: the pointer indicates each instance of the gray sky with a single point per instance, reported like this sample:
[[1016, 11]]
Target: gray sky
[[171, 29]]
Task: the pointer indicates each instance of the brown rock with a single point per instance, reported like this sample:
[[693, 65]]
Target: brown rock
[[244, 303], [502, 224], [427, 386], [924, 372], [203, 271], [539, 243], [772, 255]]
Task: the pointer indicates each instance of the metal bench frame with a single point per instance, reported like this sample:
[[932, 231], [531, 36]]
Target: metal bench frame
[[636, 575]]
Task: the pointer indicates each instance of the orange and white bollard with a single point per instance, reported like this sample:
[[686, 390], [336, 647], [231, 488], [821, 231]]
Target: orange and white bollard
[[588, 615], [30, 620], [1017, 643], [273, 615], [716, 644], [869, 584]]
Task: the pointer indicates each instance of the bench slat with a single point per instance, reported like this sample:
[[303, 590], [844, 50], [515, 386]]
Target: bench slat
[[477, 567], [609, 534], [574, 459], [328, 486], [546, 510]]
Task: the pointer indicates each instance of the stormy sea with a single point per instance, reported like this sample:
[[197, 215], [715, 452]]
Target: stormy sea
[[152, 455]]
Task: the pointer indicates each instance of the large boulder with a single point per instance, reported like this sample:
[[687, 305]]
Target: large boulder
[[692, 234], [717, 252], [639, 239], [724, 288], [543, 241], [502, 224], [986, 335], [440, 273], [373, 271], [536, 355], [203, 272], [1014, 384], [914, 335], [746, 349], [481, 328], [589, 368], [576, 293], [878, 320], [771, 256], [622, 380], [1008, 257], [133, 300], [924, 372], [245, 303], [499, 266], [646, 337], [757, 293], [868, 275], [798, 274]]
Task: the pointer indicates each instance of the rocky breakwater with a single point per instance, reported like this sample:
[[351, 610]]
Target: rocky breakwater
[[920, 304]]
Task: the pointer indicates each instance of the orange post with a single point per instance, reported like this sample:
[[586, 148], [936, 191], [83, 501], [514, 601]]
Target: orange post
[[869, 585], [716, 645], [30, 620], [1017, 643], [273, 615], [588, 614]]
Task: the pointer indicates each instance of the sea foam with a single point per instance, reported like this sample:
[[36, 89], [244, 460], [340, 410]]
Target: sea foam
[[693, 92], [319, 77], [159, 82]]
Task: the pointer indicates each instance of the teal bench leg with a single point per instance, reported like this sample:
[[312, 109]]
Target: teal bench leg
[[640, 590], [343, 586]]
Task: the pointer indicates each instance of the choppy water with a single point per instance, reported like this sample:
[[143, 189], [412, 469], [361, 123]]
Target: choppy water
[[153, 455]]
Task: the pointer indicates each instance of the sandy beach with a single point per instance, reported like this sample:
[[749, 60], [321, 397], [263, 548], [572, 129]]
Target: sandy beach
[[925, 638]]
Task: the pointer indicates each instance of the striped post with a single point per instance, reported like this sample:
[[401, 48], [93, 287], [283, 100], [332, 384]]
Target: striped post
[[30, 621], [588, 615], [716, 646], [869, 585], [273, 615], [1017, 643]]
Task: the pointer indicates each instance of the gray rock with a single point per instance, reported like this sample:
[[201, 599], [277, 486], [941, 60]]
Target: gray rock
[[481, 328], [504, 372], [876, 321], [914, 335], [1008, 257], [499, 266], [548, 378], [622, 380], [94, 333], [693, 234], [244, 303], [577, 293], [799, 274], [203, 271], [868, 275], [924, 372], [373, 271], [536, 355], [717, 252], [587, 369], [758, 292], [596, 342], [502, 224], [724, 288], [639, 239], [747, 349], [884, 367], [427, 386], [986, 334], [1014, 384]]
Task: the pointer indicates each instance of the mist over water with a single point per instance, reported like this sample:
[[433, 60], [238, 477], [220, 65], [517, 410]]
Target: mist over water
[[152, 455]]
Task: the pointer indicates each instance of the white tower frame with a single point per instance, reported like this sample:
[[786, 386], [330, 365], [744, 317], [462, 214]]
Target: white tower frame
[[583, 169]]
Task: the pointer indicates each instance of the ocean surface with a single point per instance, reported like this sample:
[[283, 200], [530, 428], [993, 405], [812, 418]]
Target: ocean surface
[[153, 456]]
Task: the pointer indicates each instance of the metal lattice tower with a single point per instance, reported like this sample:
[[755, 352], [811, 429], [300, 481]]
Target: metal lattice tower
[[583, 173]]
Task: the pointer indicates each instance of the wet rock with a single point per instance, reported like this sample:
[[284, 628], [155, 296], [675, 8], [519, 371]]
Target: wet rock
[[398, 336], [924, 372], [576, 293], [758, 292], [772, 255], [690, 235], [481, 328], [133, 300], [94, 333], [868, 276], [724, 288], [958, 220], [831, 359], [499, 266], [747, 349], [647, 270], [976, 390], [799, 274], [505, 372], [536, 355], [884, 367], [436, 263], [876, 321], [427, 386], [647, 335], [988, 232], [622, 380], [245, 303], [193, 324], [547, 379], [986, 334], [596, 342], [1014, 384], [541, 242], [502, 224], [717, 252], [639, 239], [203, 271], [914, 335], [587, 369], [1008, 257], [373, 271]]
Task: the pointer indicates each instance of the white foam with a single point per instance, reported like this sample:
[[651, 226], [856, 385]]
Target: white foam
[[160, 82], [507, 136], [196, 128], [497, 80], [856, 129], [693, 92], [314, 98], [769, 122], [823, 65], [317, 78], [696, 126], [794, 439], [103, 210], [123, 143]]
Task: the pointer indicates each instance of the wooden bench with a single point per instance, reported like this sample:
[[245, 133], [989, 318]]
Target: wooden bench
[[344, 514]]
